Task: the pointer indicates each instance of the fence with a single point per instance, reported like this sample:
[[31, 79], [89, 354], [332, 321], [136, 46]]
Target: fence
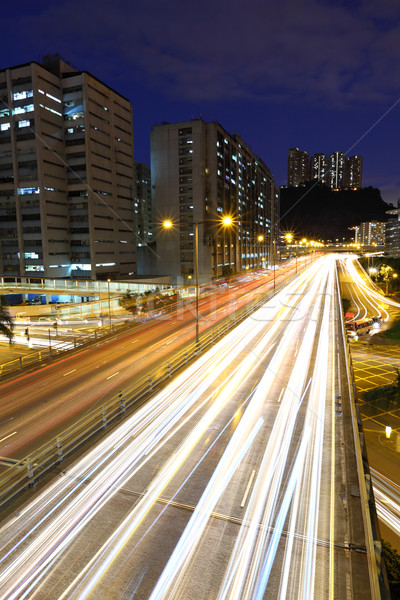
[[27, 470]]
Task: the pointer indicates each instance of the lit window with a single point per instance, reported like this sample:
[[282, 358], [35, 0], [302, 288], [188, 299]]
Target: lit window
[[50, 110], [53, 98], [24, 191], [23, 95], [19, 110], [4, 112], [24, 123], [4, 126]]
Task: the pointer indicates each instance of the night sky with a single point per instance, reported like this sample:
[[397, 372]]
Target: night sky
[[319, 75]]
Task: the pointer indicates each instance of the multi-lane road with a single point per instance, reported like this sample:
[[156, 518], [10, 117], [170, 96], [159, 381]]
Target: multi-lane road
[[373, 367], [237, 481], [38, 405]]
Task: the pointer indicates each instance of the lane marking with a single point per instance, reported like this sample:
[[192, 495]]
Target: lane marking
[[280, 395], [8, 436], [113, 375], [248, 488], [135, 341], [69, 372]]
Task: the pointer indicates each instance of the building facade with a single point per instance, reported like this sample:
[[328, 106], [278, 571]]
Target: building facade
[[370, 233], [336, 171], [353, 175], [298, 167], [337, 166], [199, 174], [143, 210], [66, 174], [392, 233], [319, 167]]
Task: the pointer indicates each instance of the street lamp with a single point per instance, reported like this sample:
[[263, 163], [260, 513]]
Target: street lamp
[[109, 303], [226, 221]]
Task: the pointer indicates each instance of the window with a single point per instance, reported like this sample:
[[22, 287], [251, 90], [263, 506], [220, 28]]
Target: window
[[4, 126], [25, 123], [19, 110], [23, 95], [32, 190], [49, 109]]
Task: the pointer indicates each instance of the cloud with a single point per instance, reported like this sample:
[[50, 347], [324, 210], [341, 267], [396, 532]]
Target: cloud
[[322, 52]]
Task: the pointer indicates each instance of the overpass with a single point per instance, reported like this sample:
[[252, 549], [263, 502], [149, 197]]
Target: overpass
[[245, 477]]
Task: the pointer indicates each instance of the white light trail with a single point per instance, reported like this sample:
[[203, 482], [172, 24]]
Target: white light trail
[[294, 331]]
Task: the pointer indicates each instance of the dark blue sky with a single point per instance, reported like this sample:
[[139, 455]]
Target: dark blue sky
[[317, 74]]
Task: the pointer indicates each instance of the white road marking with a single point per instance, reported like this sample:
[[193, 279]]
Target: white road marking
[[280, 395], [248, 488], [113, 375], [7, 436], [69, 372]]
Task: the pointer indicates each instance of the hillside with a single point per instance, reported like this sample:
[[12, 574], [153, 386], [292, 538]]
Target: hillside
[[315, 211]]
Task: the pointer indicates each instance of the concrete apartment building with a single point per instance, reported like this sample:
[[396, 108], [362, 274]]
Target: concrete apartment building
[[353, 174], [200, 173], [371, 233], [337, 165], [319, 167], [298, 167], [336, 171], [144, 216], [66, 174]]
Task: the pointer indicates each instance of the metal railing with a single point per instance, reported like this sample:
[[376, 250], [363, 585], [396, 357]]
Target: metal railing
[[26, 471], [78, 286]]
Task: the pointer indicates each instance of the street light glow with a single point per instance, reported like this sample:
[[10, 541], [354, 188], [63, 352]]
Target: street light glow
[[167, 224], [227, 221]]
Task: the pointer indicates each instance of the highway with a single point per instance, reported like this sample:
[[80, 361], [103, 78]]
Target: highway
[[37, 406], [236, 481], [367, 301]]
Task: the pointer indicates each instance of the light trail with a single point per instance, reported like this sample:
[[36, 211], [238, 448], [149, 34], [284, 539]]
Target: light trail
[[252, 412], [387, 500], [374, 298]]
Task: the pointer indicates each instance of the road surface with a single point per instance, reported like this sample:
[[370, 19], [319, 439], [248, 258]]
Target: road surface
[[236, 481]]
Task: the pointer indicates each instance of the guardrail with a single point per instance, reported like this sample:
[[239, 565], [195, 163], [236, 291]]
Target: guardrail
[[27, 470], [48, 353]]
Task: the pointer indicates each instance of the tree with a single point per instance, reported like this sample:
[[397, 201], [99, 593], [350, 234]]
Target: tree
[[346, 304], [6, 323], [386, 273], [392, 561]]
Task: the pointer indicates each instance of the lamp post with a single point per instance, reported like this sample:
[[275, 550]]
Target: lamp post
[[226, 222], [109, 303]]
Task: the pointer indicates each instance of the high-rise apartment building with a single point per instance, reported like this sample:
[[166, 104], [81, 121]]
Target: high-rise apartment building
[[353, 174], [337, 171], [298, 167], [319, 167], [143, 204], [371, 233], [66, 174], [337, 166], [200, 173]]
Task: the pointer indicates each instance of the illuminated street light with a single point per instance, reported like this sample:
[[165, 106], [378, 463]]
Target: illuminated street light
[[226, 221], [109, 302]]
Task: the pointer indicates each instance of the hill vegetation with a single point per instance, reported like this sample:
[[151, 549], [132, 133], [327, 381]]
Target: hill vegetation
[[315, 211]]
